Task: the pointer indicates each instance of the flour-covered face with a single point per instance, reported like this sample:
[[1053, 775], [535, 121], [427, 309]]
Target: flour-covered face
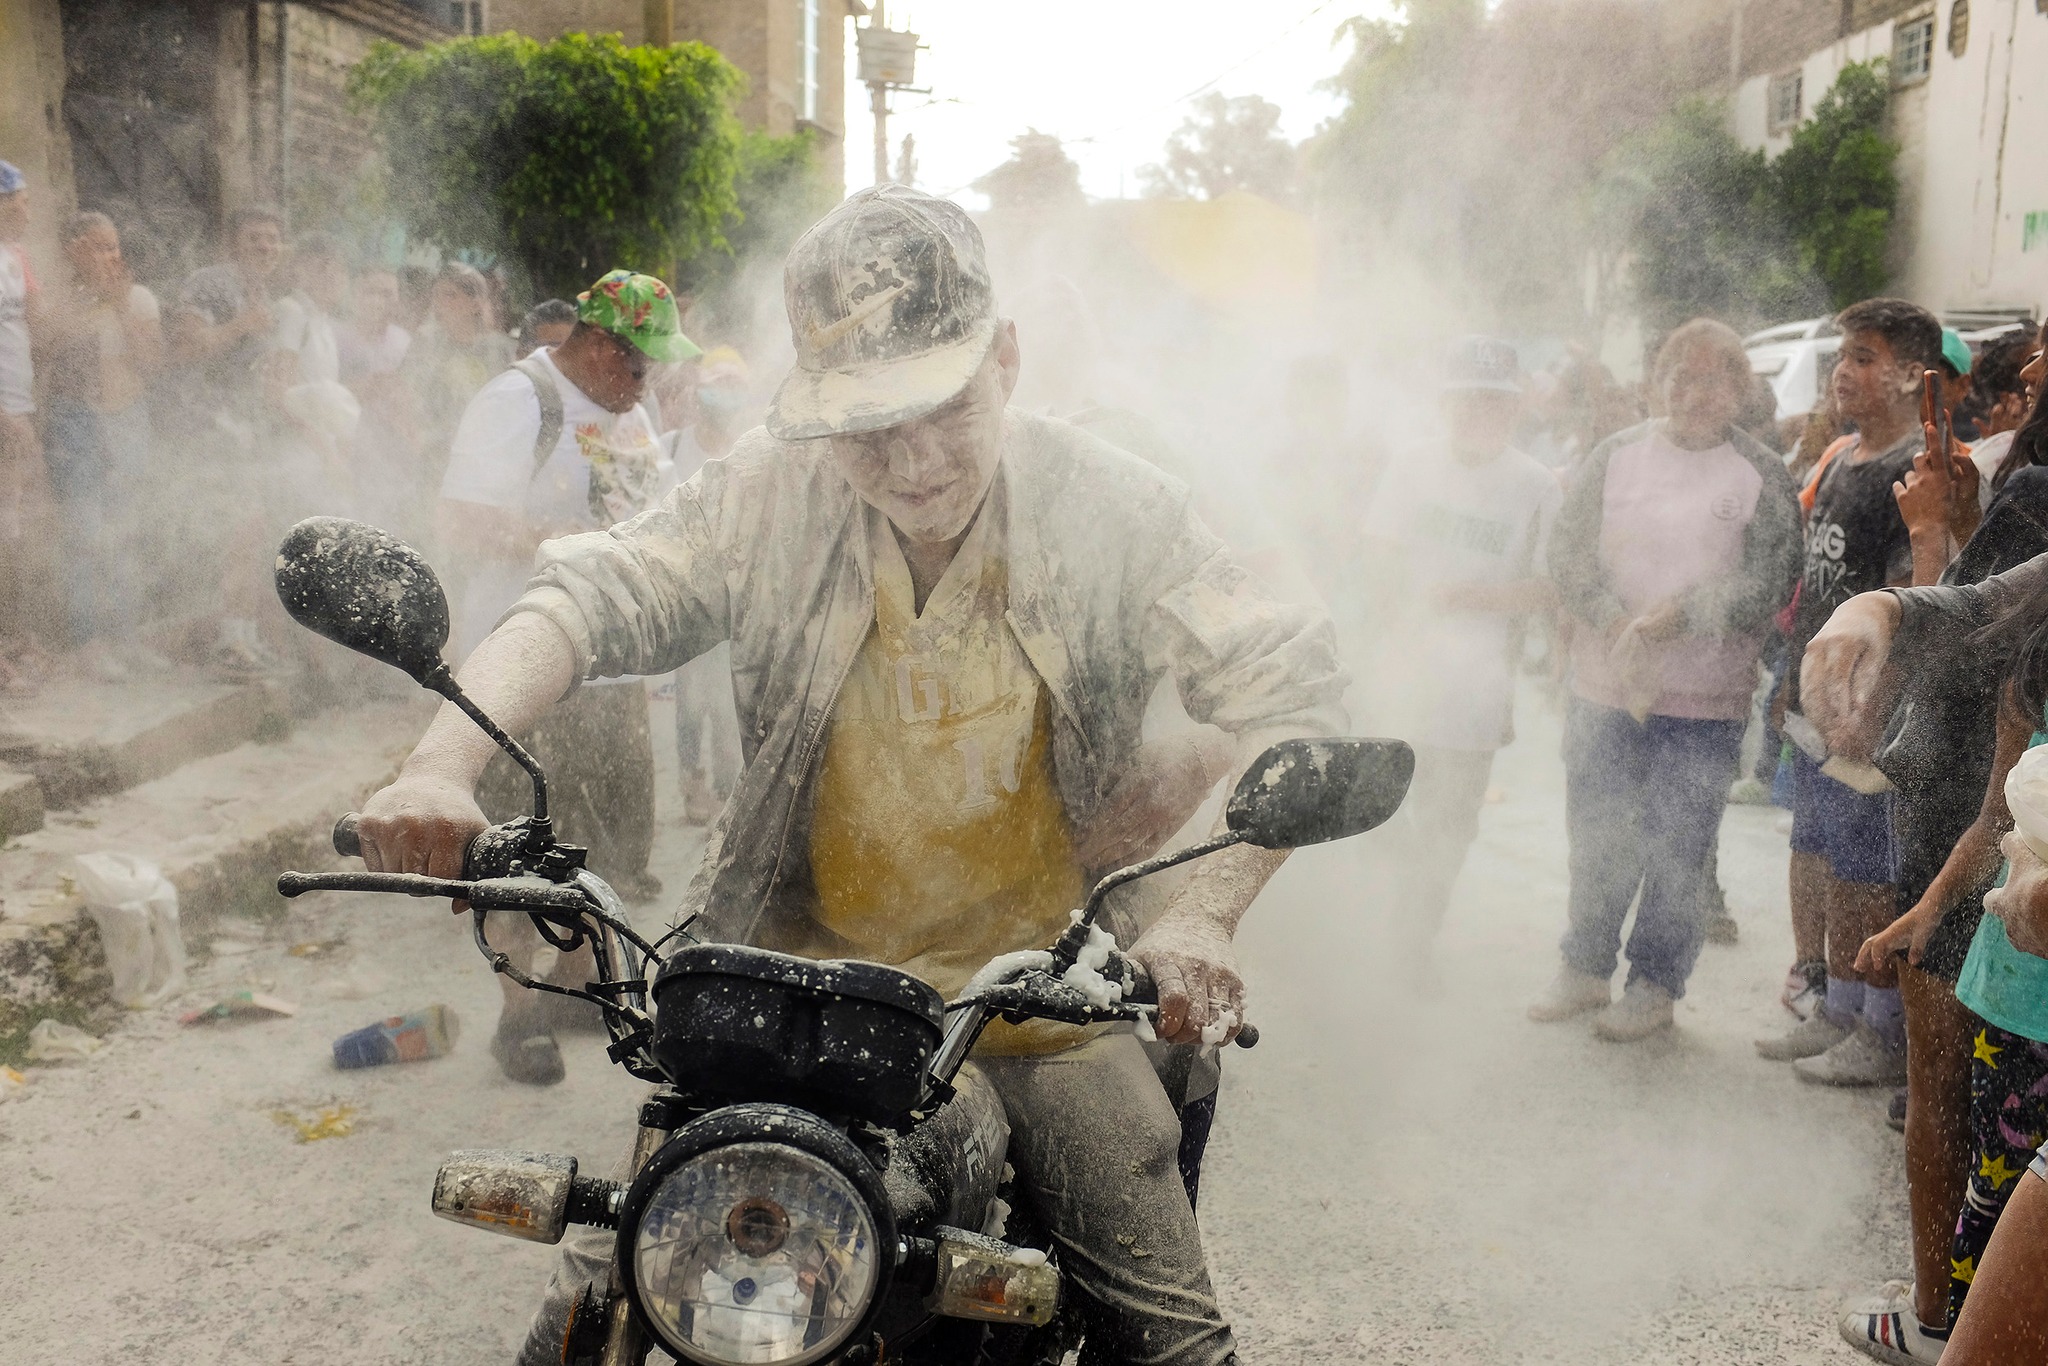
[[928, 476], [1870, 378]]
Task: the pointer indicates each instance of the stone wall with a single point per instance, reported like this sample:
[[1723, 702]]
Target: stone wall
[[1777, 34], [32, 132], [321, 172], [546, 19]]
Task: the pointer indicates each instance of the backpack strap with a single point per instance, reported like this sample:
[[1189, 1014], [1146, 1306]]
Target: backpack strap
[[550, 395]]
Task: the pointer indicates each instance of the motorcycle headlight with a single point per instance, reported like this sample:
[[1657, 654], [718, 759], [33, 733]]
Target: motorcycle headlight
[[756, 1253]]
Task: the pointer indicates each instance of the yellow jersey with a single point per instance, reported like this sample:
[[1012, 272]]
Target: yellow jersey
[[938, 838]]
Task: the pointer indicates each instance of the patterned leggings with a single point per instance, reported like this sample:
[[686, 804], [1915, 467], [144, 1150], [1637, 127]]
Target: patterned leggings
[[2008, 1121]]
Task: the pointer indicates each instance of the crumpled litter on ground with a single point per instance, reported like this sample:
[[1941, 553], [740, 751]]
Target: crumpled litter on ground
[[12, 1084], [329, 1121], [136, 909], [240, 1003], [55, 1041]]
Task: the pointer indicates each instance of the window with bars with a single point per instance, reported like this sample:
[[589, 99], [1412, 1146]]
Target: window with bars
[[1912, 49], [1784, 96]]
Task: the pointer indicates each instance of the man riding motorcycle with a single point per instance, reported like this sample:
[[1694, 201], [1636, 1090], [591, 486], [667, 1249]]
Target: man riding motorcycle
[[946, 621]]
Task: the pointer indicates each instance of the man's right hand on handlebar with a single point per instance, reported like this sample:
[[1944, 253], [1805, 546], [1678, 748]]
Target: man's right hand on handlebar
[[422, 823]]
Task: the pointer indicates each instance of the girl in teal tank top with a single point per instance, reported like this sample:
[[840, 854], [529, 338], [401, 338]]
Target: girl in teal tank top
[[2008, 990]]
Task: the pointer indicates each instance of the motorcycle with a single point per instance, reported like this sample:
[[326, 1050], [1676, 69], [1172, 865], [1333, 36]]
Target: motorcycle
[[816, 1167]]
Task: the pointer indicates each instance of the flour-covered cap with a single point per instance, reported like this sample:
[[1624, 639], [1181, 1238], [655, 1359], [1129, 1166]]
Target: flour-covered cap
[[890, 310]]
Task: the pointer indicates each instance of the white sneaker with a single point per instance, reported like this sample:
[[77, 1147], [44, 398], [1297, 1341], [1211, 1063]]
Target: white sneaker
[[1644, 1008], [1571, 993], [1886, 1326], [1808, 1039], [1861, 1059]]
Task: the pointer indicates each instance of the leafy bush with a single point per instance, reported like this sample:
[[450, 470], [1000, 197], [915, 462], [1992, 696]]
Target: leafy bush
[[1720, 230], [1696, 211], [1836, 188], [570, 157], [1226, 144], [779, 193]]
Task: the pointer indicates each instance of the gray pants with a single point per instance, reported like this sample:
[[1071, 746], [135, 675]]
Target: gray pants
[[1095, 1141]]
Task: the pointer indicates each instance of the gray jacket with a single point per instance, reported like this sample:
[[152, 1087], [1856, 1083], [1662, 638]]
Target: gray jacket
[[1113, 584]]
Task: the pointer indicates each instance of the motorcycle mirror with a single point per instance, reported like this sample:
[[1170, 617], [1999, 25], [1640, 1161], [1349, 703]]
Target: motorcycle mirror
[[1303, 792], [365, 589]]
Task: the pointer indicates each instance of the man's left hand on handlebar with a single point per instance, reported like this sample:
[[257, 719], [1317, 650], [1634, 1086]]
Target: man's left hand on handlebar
[[1195, 969], [420, 824]]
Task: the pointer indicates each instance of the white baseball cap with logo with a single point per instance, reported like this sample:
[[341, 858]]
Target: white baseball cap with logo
[[1482, 365], [891, 312]]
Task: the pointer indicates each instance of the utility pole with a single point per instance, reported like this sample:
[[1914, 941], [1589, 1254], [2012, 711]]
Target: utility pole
[[878, 102], [887, 61]]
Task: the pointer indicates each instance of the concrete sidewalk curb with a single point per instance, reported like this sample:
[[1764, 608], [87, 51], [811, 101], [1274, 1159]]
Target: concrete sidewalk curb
[[221, 828], [87, 740]]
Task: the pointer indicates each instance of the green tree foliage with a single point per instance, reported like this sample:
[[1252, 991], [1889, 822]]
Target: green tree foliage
[[1468, 135], [779, 192], [1717, 229], [1227, 144], [1038, 178], [1836, 185], [1695, 209], [1399, 82], [569, 158]]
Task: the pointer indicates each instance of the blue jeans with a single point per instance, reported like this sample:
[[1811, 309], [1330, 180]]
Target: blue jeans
[[1642, 810]]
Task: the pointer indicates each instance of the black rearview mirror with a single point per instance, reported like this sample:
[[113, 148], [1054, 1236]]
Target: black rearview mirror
[[1303, 792], [367, 590]]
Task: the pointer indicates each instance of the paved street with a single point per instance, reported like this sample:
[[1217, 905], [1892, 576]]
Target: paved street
[[1404, 1172]]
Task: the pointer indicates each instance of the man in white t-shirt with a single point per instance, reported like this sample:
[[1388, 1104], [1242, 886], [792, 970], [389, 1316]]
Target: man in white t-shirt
[[1455, 542], [556, 445]]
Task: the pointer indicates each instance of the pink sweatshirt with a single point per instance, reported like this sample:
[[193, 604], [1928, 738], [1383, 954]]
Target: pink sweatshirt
[[1671, 520]]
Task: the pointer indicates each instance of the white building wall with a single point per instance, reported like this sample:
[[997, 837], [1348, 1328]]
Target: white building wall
[[1971, 166]]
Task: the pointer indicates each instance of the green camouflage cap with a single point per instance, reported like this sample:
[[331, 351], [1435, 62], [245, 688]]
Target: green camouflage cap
[[639, 308]]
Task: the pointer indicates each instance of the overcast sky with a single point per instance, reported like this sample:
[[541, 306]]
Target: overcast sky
[[1110, 77]]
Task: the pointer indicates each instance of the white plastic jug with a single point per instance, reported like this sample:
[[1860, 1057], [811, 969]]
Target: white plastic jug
[[2026, 794], [136, 908]]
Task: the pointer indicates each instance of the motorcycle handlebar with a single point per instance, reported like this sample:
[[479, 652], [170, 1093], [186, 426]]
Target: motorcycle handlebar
[[524, 895], [484, 894]]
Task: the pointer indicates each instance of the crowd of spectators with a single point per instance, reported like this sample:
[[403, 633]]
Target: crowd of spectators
[[1682, 557], [155, 441]]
